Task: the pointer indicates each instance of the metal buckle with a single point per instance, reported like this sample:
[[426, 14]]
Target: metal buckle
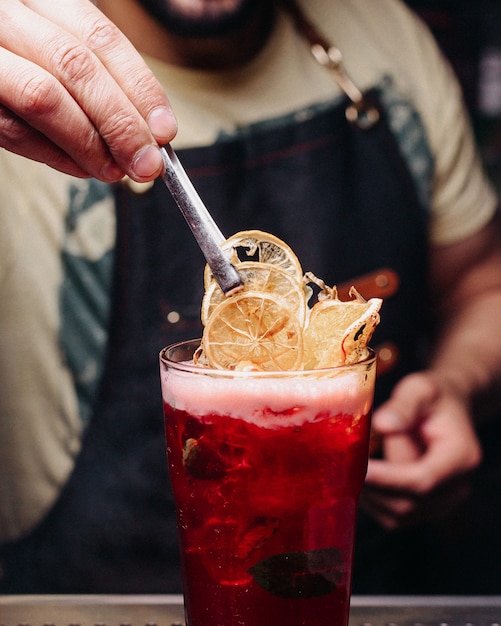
[[362, 114], [358, 112]]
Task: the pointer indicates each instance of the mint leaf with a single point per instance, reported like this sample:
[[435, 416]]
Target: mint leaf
[[300, 574]]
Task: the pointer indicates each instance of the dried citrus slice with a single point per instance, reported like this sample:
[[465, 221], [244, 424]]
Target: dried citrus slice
[[256, 245], [254, 329], [263, 278], [338, 332]]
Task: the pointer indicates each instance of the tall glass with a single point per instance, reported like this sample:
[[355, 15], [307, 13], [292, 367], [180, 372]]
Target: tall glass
[[266, 469]]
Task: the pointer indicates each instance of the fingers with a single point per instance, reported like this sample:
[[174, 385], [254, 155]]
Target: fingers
[[401, 494], [36, 116], [84, 87], [403, 510], [414, 477], [449, 447], [20, 138], [427, 459], [118, 56]]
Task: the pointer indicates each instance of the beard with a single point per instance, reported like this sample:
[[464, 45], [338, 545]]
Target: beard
[[202, 18]]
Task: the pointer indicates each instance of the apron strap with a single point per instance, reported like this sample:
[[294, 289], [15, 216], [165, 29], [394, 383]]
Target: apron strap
[[359, 111]]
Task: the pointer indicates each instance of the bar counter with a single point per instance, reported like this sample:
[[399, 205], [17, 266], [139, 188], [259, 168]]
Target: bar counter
[[135, 610]]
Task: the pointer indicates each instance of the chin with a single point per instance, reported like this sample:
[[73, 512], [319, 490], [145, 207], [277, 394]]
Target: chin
[[202, 18], [201, 9]]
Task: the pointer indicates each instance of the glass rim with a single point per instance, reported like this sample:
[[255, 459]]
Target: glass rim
[[222, 373]]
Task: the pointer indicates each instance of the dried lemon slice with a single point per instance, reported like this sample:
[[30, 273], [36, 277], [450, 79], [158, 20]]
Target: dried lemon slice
[[269, 325], [338, 332], [256, 245], [264, 278], [255, 329]]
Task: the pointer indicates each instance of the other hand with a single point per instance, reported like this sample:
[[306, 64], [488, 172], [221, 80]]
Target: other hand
[[429, 449]]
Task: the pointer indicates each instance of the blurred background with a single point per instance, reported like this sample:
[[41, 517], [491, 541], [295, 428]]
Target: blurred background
[[469, 33]]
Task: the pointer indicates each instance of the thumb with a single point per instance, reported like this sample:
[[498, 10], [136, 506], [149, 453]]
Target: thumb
[[409, 402]]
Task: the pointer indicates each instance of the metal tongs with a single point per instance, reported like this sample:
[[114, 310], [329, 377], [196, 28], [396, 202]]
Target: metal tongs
[[203, 227]]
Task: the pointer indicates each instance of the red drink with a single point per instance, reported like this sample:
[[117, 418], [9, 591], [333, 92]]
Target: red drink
[[267, 469]]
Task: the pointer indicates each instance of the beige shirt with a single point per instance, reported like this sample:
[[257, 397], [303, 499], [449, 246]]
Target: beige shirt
[[46, 215]]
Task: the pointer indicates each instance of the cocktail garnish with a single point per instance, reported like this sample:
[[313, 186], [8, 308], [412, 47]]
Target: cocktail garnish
[[268, 325]]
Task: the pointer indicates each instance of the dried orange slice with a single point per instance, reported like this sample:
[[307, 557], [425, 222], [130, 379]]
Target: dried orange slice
[[264, 278], [338, 332], [253, 329], [256, 245]]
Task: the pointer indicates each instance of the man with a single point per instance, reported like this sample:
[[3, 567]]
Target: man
[[98, 278]]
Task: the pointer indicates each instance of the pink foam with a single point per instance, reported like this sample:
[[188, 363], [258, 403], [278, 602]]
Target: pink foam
[[269, 402]]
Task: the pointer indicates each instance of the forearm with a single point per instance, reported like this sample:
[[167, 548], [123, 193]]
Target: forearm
[[467, 356], [467, 281]]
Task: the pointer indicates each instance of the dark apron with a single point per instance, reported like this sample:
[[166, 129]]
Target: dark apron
[[343, 199]]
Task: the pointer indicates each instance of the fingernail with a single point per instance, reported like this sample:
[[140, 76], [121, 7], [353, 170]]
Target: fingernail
[[162, 124], [147, 162]]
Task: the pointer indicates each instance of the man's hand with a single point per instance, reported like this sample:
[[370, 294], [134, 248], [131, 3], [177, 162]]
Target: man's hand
[[429, 443], [76, 95], [429, 449]]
